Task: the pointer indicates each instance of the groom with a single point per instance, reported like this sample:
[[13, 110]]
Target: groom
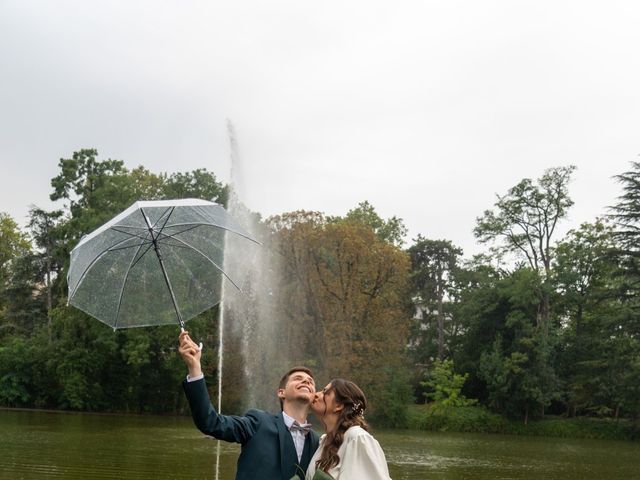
[[274, 447]]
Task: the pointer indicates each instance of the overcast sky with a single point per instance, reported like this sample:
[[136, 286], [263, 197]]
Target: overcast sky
[[425, 108]]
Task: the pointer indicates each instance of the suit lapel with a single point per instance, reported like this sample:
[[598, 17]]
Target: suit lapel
[[288, 456]]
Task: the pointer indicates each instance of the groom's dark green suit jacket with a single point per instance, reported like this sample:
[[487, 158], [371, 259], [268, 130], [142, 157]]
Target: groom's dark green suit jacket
[[267, 452]]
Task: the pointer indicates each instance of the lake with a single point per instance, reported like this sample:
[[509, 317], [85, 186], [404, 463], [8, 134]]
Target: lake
[[44, 445]]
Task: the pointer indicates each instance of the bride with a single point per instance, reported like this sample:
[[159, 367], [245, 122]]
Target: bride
[[347, 451]]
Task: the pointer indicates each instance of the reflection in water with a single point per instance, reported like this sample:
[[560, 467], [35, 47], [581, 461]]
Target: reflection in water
[[426, 455], [39, 445]]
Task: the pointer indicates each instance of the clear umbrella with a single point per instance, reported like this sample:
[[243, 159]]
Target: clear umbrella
[[158, 262]]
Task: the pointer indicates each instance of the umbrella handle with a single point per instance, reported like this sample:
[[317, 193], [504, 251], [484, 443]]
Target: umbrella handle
[[199, 345]]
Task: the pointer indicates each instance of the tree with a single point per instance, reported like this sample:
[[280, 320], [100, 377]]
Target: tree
[[583, 268], [43, 231], [624, 322], [584, 278], [446, 385], [93, 188], [626, 218], [13, 242], [344, 296], [510, 360], [434, 264], [13, 245], [524, 223], [391, 230], [626, 213], [199, 183]]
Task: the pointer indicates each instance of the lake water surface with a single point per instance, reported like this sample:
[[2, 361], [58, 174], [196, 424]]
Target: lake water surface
[[41, 445]]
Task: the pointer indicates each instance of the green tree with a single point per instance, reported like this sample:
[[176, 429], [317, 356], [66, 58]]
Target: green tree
[[624, 324], [14, 244], [626, 212], [508, 358], [583, 275], [434, 264], [14, 372], [391, 230], [94, 189], [626, 218], [524, 222], [583, 269], [198, 183], [25, 304], [446, 386], [43, 225]]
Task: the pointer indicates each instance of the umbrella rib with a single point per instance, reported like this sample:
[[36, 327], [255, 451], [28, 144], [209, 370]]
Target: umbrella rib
[[133, 263], [143, 254], [114, 249], [132, 227], [93, 262], [117, 228], [210, 261], [144, 229], [131, 235], [170, 210], [192, 227], [162, 236], [205, 224]]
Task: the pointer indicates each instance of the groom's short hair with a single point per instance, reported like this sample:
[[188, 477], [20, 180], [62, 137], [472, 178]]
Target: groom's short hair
[[285, 377]]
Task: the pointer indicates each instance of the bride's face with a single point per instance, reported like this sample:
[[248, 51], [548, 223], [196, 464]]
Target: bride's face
[[324, 402]]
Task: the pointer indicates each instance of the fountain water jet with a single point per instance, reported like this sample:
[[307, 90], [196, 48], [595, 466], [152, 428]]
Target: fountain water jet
[[248, 315]]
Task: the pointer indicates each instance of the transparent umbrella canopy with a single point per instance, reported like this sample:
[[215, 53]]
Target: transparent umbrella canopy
[[158, 262]]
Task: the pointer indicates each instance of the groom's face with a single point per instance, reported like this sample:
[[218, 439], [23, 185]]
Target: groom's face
[[300, 387]]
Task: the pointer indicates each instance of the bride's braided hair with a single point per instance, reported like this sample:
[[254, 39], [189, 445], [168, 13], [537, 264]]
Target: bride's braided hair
[[355, 403]]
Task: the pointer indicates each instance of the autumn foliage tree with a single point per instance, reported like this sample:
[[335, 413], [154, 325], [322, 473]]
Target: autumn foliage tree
[[344, 294]]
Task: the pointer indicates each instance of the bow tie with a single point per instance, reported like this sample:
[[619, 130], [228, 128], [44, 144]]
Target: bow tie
[[304, 428]]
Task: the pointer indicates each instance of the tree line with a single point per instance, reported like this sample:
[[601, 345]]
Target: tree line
[[538, 323]]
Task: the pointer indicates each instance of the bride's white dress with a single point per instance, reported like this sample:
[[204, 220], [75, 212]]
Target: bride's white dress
[[361, 458]]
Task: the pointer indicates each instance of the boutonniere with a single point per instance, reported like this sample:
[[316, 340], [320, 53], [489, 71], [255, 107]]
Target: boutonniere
[[300, 470]]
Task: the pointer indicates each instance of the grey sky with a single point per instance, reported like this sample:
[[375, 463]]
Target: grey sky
[[424, 108]]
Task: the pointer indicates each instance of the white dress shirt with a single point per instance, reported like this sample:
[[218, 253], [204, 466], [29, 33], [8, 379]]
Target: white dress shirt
[[197, 377], [298, 436]]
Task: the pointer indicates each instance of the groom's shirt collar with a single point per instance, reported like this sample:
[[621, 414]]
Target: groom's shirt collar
[[288, 421]]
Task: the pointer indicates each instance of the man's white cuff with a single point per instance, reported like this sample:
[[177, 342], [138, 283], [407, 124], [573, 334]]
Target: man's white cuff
[[197, 377]]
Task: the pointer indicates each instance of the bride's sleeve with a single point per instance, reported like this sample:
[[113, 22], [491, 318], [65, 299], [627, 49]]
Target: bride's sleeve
[[363, 458]]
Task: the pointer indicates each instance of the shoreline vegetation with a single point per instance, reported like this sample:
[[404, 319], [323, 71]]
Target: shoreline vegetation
[[470, 419], [478, 419]]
